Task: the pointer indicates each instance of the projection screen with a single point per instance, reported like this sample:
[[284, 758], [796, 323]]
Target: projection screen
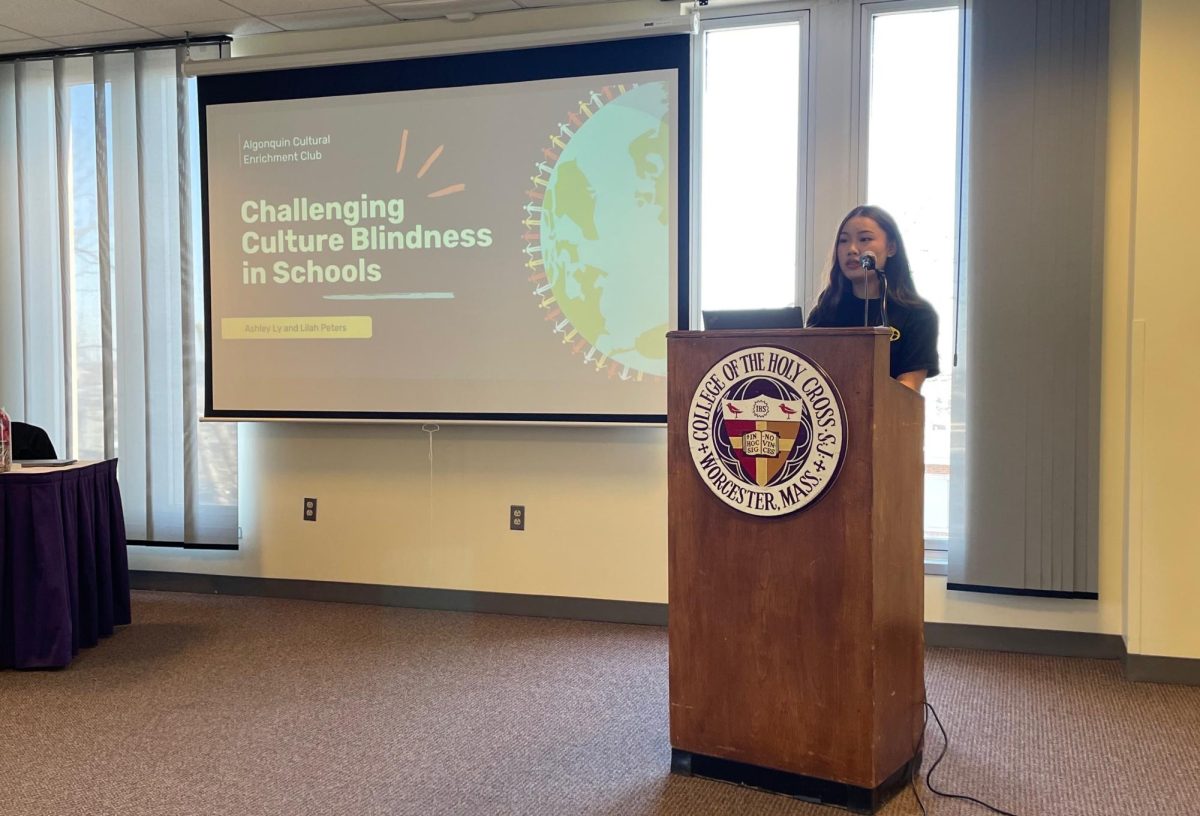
[[492, 236]]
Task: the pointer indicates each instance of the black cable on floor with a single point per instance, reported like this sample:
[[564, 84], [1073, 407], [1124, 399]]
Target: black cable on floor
[[916, 765], [938, 761]]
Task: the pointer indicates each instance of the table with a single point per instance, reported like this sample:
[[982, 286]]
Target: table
[[64, 572]]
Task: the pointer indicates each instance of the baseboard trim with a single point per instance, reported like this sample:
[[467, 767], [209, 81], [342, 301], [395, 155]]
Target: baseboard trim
[[1030, 641], [1154, 669], [1140, 668], [450, 600]]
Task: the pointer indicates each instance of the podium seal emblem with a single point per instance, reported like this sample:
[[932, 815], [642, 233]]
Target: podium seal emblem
[[767, 430]]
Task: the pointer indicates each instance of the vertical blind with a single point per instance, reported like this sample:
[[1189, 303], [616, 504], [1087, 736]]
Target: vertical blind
[[100, 336], [1026, 408]]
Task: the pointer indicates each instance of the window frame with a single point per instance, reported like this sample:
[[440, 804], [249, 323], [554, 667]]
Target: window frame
[[936, 549], [867, 11], [725, 19]]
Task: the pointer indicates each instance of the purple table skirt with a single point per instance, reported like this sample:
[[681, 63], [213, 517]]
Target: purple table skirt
[[64, 572]]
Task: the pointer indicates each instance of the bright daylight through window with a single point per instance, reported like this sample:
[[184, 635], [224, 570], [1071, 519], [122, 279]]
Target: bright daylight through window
[[748, 247], [218, 485], [912, 171]]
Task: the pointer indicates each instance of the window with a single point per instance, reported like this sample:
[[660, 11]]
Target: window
[[912, 172], [103, 340], [750, 213], [794, 131]]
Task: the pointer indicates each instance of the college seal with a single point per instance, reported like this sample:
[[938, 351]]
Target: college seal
[[767, 430]]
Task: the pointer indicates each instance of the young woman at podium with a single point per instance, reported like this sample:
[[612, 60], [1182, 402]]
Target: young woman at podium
[[870, 284]]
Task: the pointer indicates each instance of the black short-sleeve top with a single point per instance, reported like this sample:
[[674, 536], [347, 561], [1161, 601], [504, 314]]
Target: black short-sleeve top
[[914, 330]]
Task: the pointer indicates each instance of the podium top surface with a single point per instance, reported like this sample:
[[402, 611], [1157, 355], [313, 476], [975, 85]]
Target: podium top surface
[[763, 333]]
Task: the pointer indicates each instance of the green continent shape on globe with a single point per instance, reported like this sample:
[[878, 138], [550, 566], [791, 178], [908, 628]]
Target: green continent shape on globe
[[581, 301], [649, 153], [572, 197], [605, 229], [653, 343]]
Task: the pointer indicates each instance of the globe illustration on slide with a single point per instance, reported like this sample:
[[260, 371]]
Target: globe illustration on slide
[[602, 251]]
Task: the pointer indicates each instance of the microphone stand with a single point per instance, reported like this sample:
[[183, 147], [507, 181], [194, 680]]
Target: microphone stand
[[883, 289], [868, 264]]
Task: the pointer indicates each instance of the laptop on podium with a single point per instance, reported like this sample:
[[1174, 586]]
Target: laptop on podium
[[787, 317]]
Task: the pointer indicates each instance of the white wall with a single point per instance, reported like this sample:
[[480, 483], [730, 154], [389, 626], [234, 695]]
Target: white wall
[[597, 497], [1123, 58], [1164, 382]]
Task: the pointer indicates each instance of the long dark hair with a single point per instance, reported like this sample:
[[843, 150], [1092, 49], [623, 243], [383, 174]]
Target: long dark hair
[[899, 275]]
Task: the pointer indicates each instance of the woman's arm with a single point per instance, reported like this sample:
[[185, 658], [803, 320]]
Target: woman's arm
[[913, 379]]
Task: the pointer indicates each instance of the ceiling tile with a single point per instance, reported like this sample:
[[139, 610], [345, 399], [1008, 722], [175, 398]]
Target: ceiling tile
[[429, 9], [46, 19], [270, 8], [121, 35], [333, 18], [154, 12], [21, 46], [10, 34], [242, 26]]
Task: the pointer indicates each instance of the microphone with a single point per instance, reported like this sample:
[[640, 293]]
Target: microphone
[[867, 262]]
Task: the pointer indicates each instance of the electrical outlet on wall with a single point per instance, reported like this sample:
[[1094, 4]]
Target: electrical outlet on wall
[[516, 517], [310, 509]]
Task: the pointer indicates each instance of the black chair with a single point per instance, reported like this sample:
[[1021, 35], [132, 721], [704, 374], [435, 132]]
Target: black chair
[[31, 442]]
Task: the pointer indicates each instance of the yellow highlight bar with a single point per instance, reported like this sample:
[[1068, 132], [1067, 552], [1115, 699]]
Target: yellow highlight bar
[[296, 328]]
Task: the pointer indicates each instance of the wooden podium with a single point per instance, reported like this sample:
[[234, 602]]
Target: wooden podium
[[796, 641]]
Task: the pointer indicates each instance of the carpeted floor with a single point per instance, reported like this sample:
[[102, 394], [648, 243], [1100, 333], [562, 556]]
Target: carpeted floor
[[224, 705]]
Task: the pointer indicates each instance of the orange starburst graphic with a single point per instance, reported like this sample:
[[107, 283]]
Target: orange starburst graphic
[[426, 166]]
